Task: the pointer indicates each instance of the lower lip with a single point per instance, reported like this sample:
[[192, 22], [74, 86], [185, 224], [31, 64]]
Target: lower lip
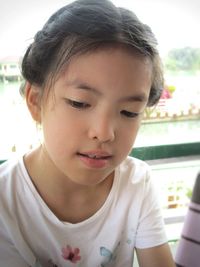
[[94, 163]]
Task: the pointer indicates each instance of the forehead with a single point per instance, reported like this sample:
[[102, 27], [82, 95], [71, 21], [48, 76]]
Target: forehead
[[93, 49], [114, 49], [119, 75], [111, 68], [118, 62], [103, 55]]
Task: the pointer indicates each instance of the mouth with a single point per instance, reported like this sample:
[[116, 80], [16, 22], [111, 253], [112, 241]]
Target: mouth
[[95, 159], [97, 156]]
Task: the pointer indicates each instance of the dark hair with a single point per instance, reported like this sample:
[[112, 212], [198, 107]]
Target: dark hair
[[85, 25]]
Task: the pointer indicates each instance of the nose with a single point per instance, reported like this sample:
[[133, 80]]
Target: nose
[[102, 129]]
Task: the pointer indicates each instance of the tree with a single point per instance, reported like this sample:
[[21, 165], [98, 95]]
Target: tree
[[187, 59]]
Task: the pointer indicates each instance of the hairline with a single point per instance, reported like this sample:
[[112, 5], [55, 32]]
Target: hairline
[[92, 48]]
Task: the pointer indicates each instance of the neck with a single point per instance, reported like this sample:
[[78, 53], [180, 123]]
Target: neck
[[61, 194]]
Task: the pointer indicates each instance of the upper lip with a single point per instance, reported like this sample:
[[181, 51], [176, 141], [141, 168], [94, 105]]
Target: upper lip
[[96, 154]]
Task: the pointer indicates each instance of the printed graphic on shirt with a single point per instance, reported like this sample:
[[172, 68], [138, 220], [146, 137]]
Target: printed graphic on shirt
[[109, 257], [70, 254]]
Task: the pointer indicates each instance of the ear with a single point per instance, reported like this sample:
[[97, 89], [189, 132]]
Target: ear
[[33, 101]]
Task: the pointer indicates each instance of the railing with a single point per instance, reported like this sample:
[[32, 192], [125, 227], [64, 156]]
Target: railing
[[166, 151]]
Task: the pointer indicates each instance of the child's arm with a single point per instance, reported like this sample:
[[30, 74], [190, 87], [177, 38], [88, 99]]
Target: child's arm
[[159, 256]]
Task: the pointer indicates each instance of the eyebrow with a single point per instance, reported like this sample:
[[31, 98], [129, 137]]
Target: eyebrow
[[141, 97], [83, 86]]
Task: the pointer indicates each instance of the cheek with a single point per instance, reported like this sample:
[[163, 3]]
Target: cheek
[[60, 132], [128, 136]]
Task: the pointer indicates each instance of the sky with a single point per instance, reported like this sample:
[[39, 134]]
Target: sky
[[174, 22]]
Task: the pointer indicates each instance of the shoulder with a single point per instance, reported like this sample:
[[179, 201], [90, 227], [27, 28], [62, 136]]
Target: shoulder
[[135, 178], [9, 169], [135, 170], [12, 190], [11, 172]]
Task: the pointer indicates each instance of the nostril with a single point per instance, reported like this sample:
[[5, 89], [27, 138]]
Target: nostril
[[102, 135]]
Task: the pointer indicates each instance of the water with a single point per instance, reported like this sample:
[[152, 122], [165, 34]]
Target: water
[[172, 132], [186, 95]]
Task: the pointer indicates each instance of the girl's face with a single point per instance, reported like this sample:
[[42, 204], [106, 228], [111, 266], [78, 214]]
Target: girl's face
[[91, 119]]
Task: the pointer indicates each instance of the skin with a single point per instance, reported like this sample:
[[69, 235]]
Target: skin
[[93, 110]]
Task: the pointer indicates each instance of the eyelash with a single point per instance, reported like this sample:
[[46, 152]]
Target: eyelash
[[77, 104], [129, 114], [83, 105]]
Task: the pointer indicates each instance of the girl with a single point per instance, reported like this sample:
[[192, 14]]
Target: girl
[[78, 199]]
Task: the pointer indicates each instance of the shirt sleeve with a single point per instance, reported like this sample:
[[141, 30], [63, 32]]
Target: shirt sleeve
[[14, 250], [150, 230]]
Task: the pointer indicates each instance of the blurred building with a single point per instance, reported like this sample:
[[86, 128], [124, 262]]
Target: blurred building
[[9, 69]]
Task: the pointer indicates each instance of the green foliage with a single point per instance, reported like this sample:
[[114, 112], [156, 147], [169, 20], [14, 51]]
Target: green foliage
[[185, 59], [189, 193], [171, 88]]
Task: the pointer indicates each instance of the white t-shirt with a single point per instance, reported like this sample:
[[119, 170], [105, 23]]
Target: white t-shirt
[[31, 235]]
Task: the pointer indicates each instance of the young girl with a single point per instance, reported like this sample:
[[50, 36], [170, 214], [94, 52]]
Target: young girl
[[78, 199]]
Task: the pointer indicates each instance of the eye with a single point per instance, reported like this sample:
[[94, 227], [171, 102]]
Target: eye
[[77, 104], [129, 114]]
